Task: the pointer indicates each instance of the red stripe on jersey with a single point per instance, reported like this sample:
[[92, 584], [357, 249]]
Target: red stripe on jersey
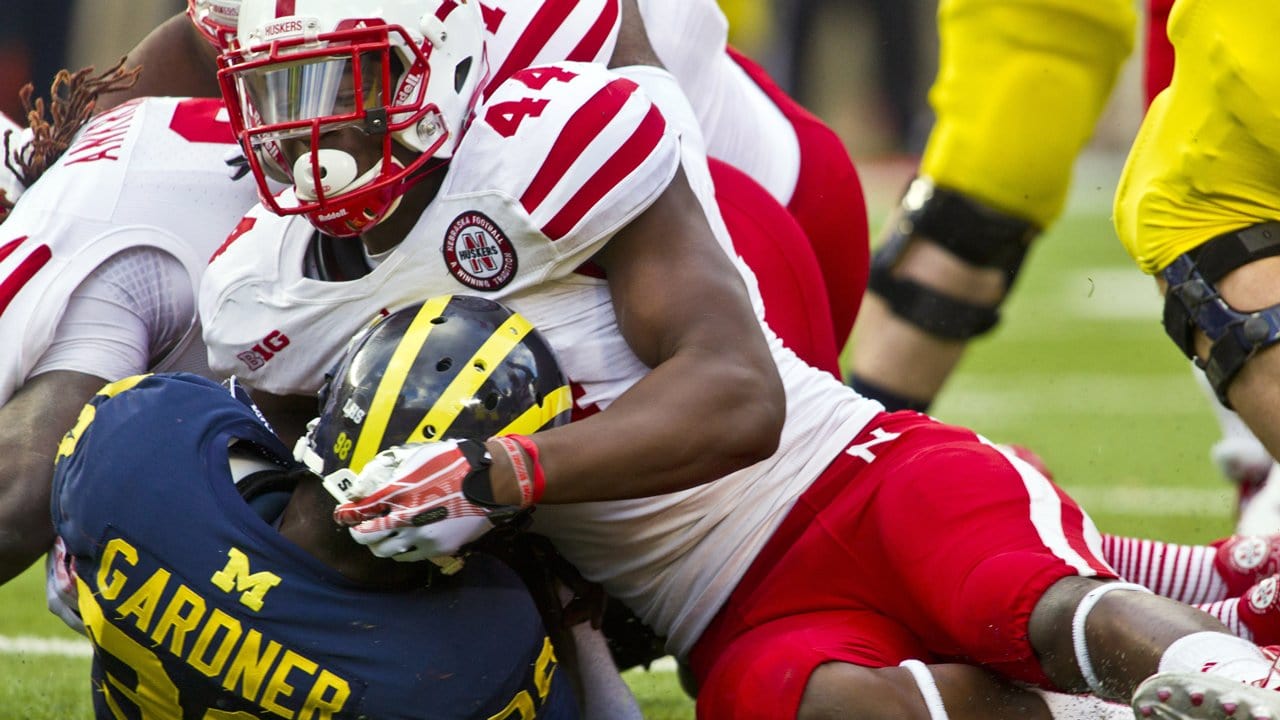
[[589, 47], [21, 275], [544, 24], [629, 157], [589, 121], [10, 246]]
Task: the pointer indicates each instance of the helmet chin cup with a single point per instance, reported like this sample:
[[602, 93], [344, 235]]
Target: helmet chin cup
[[353, 208], [338, 174]]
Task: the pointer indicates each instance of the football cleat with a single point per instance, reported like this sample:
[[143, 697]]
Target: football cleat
[[1202, 696]]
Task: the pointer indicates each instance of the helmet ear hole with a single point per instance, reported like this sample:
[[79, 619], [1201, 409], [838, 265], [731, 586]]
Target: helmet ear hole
[[429, 432], [444, 365], [460, 73], [479, 366], [491, 401]]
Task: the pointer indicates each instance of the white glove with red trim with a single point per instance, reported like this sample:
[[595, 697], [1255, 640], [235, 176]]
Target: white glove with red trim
[[60, 589], [409, 501]]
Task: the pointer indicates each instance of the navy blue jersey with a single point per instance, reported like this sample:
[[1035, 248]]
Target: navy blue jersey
[[198, 609]]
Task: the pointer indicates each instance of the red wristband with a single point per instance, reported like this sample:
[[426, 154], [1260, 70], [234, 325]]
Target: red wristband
[[520, 468], [539, 478]]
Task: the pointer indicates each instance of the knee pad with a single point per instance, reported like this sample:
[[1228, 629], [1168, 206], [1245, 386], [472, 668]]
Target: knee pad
[[1078, 640], [973, 232], [1192, 303], [928, 688]]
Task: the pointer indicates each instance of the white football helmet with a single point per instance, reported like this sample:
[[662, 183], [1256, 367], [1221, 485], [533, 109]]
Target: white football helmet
[[309, 90], [216, 20]]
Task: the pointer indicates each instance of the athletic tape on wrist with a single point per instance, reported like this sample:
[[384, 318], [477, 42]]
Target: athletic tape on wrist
[[521, 469], [928, 688], [539, 478], [1078, 641]]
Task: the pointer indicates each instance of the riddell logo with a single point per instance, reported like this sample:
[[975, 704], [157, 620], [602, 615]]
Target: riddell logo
[[412, 81], [326, 217], [284, 27], [257, 356]]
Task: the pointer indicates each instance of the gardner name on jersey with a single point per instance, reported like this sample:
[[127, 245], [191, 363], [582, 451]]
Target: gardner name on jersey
[[194, 601]]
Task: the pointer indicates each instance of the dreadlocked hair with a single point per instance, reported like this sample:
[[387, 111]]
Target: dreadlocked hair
[[74, 95]]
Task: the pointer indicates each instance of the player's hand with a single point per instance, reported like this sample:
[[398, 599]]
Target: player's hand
[[409, 502], [60, 590]]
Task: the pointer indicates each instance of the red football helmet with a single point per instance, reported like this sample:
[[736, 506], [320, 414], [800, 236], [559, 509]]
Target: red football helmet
[[216, 20], [322, 91]]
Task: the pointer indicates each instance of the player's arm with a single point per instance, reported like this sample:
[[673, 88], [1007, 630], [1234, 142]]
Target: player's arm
[[176, 61], [713, 402], [108, 330], [32, 424]]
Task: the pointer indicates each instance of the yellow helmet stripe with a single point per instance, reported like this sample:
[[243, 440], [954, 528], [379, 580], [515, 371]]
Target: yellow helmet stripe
[[531, 420], [384, 400], [467, 382]]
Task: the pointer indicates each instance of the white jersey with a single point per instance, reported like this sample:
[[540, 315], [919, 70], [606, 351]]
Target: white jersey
[[742, 126], [146, 174], [527, 200]]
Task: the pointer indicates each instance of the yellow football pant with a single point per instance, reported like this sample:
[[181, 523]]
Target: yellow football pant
[[1020, 86], [1207, 158]]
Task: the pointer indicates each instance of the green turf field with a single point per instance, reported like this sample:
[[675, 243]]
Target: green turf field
[[1080, 371]]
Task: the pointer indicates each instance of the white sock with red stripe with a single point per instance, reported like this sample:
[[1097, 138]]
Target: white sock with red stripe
[[1228, 611], [1185, 573]]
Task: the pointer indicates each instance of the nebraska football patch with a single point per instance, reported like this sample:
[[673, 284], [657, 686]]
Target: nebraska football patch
[[477, 252]]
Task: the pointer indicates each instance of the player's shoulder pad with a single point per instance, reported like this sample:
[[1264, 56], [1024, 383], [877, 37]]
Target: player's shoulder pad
[[569, 141]]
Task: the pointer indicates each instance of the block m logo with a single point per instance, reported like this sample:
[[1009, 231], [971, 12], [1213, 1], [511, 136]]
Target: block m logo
[[235, 577]]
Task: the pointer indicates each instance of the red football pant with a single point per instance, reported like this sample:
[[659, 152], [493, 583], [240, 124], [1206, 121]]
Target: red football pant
[[919, 541], [828, 203], [775, 248]]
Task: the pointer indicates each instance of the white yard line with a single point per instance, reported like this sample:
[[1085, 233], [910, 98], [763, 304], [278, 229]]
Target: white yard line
[[1028, 394], [27, 645]]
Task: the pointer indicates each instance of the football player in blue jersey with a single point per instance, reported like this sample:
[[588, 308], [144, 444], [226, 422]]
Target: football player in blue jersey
[[210, 576]]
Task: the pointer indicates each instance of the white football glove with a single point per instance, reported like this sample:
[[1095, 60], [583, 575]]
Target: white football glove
[[60, 590], [409, 501]]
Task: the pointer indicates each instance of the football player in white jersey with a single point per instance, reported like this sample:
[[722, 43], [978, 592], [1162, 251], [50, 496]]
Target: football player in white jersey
[[790, 539], [812, 290], [99, 262]]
